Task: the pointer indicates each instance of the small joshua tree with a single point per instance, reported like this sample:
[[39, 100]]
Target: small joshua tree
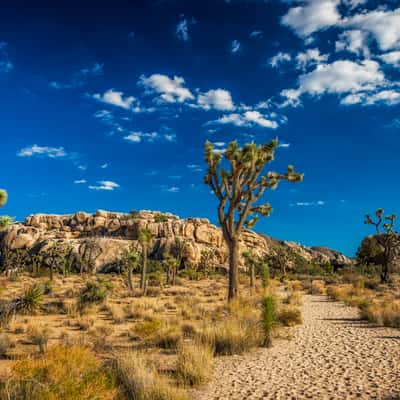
[[268, 318], [388, 239], [130, 259], [145, 238], [3, 197], [239, 188]]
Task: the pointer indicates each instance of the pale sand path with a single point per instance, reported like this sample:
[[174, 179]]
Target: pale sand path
[[333, 356]]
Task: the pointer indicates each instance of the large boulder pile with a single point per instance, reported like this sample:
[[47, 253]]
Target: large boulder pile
[[112, 232]]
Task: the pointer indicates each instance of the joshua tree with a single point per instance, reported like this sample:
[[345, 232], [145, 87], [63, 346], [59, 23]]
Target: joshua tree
[[145, 237], [268, 318], [387, 238], [88, 253], [171, 264], [239, 190], [251, 262], [4, 220], [130, 259]]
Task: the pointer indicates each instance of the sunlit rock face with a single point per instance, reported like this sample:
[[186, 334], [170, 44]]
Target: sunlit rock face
[[112, 232]]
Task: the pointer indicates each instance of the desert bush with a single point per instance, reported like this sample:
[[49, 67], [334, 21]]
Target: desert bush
[[92, 293], [141, 381], [268, 318], [146, 329], [231, 336], [63, 373], [289, 316], [168, 337], [295, 286], [116, 313], [386, 314], [188, 329], [39, 335], [318, 287], [338, 293], [84, 323], [194, 364], [294, 298]]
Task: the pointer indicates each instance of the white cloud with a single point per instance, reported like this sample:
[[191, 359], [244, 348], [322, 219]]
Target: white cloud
[[182, 29], [284, 145], [80, 181], [256, 34], [391, 58], [104, 166], [35, 150], [235, 46], [311, 16], [247, 119], [218, 99], [340, 77], [94, 70], [105, 185], [194, 167], [383, 25], [308, 203], [310, 57], [172, 189], [115, 98], [170, 90], [150, 137], [5, 64], [388, 97], [279, 59], [353, 41]]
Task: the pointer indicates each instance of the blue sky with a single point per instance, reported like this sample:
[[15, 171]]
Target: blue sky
[[108, 106]]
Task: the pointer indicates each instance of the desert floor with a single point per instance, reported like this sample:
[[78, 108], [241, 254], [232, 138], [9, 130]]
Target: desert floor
[[333, 355]]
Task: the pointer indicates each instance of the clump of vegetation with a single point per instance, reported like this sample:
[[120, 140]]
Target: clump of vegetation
[[141, 381], [39, 335], [147, 329], [268, 318], [194, 364], [68, 373], [318, 287], [168, 337], [6, 343], [289, 316], [28, 303], [158, 218], [294, 298], [93, 293], [265, 275]]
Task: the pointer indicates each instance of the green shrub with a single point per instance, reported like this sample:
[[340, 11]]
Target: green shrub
[[265, 275], [92, 293], [268, 318], [160, 218]]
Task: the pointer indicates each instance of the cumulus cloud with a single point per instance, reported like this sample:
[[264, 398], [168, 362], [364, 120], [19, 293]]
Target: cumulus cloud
[[310, 57], [391, 58], [45, 151], [389, 97], [383, 25], [235, 46], [218, 99], [80, 181], [105, 185], [115, 98], [312, 16], [247, 119], [171, 90], [171, 189], [339, 77], [279, 59], [256, 34], [353, 41]]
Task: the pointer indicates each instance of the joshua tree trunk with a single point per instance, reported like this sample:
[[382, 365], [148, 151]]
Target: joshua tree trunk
[[130, 280], [144, 268], [385, 272], [252, 278], [233, 246], [51, 272]]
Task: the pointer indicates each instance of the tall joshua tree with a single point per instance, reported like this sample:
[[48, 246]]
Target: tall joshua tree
[[239, 188], [387, 238], [145, 237]]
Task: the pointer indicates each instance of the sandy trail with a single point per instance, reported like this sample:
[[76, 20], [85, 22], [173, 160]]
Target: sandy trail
[[333, 356]]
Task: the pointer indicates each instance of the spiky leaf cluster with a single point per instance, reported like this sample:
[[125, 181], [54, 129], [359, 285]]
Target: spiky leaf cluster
[[239, 180], [3, 197]]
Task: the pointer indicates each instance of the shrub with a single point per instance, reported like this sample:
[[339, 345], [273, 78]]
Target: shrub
[[295, 286], [231, 336], [194, 364], [160, 218], [167, 337], [265, 276], [39, 335], [141, 381], [116, 313], [289, 316], [63, 373], [5, 345], [32, 299], [268, 318], [294, 299], [147, 328], [318, 287], [92, 293]]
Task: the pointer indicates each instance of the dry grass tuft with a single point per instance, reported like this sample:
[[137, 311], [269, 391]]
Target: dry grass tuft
[[289, 316]]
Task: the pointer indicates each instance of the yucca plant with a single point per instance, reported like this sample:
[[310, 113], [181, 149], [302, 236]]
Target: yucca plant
[[268, 318]]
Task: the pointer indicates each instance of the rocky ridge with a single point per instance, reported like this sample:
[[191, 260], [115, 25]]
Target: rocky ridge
[[113, 232]]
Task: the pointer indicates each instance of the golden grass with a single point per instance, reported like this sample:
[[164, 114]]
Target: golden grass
[[289, 316], [141, 381], [63, 373]]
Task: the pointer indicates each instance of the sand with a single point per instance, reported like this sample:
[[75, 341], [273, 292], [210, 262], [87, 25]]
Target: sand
[[333, 355]]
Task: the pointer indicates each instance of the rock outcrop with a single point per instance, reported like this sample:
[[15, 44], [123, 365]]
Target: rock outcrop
[[112, 232]]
